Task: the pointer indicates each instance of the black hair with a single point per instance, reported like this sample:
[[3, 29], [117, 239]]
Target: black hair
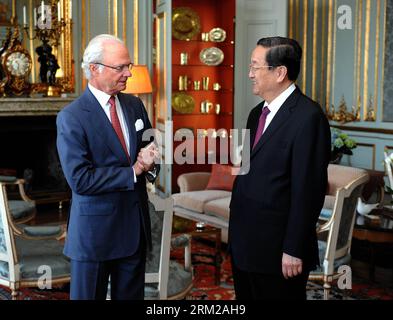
[[283, 52]]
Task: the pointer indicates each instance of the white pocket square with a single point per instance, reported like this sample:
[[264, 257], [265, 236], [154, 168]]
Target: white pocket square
[[139, 125]]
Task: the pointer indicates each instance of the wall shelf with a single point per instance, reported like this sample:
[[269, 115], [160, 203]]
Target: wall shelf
[[211, 15]]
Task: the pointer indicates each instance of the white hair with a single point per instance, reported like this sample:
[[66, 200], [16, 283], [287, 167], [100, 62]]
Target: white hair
[[94, 52]]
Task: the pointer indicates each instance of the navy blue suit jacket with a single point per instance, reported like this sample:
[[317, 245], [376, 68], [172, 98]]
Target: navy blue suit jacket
[[108, 210], [275, 207]]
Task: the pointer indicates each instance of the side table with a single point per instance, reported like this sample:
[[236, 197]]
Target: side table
[[376, 232], [208, 232], [183, 225]]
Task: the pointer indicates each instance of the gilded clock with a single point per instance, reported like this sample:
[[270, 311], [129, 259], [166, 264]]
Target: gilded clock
[[16, 63]]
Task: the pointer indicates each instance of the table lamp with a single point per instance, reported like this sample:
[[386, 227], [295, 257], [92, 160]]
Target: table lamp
[[140, 81]]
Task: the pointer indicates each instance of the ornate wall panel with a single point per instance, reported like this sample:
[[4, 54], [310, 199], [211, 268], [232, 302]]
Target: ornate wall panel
[[348, 68], [130, 20], [388, 72], [343, 42]]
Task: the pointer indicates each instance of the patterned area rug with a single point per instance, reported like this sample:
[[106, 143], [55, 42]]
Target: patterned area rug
[[56, 293], [206, 289]]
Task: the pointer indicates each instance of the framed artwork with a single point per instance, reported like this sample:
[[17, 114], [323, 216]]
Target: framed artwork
[[5, 14]]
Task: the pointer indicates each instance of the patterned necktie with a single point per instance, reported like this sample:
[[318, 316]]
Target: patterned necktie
[[261, 125], [116, 125]]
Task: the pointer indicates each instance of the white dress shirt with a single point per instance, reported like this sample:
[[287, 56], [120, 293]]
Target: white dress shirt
[[103, 100], [276, 104]]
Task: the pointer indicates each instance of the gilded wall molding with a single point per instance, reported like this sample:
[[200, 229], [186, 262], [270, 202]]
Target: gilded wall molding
[[366, 59], [314, 52], [136, 32], [383, 60], [323, 64], [297, 19], [365, 27], [364, 129], [290, 16], [329, 56], [305, 44], [85, 22], [124, 20], [359, 48], [370, 110], [160, 67], [31, 44], [13, 10], [334, 52], [355, 60], [342, 115], [88, 20], [377, 52], [388, 67], [115, 19], [109, 10]]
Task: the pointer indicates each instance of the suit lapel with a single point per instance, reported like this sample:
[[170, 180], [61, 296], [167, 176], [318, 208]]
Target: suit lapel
[[279, 119], [102, 125], [129, 115], [254, 120]]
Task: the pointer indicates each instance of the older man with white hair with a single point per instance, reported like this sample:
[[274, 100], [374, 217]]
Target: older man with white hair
[[105, 162]]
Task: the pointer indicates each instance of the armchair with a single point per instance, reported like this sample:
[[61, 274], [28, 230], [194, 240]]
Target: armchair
[[25, 250], [22, 210], [388, 168], [165, 278], [338, 228]]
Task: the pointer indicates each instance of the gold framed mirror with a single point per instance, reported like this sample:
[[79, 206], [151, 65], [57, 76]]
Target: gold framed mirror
[[50, 24]]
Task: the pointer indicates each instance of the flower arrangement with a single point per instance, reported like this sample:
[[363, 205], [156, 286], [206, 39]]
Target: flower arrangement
[[341, 144]]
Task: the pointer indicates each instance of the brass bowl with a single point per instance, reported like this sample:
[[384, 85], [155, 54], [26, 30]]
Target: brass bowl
[[183, 102]]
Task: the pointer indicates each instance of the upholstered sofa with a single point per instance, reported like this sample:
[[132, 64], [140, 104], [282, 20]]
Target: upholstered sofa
[[197, 203]]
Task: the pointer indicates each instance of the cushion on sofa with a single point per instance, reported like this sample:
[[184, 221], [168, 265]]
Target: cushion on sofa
[[222, 177], [195, 200], [218, 207]]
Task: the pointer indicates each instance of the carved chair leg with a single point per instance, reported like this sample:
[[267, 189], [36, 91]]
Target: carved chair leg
[[14, 294], [326, 290], [14, 290]]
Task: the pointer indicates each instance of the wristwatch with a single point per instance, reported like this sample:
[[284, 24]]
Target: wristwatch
[[151, 175]]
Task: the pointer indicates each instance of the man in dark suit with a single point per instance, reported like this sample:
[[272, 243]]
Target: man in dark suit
[[102, 154], [275, 207]]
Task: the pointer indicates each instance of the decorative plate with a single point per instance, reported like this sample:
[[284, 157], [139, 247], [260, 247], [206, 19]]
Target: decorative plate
[[183, 102], [185, 23], [217, 35], [211, 56]]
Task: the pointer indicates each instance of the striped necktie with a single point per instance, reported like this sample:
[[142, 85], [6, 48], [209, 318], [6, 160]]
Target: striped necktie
[[116, 125]]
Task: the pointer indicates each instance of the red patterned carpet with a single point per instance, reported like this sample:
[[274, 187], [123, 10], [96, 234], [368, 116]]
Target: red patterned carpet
[[206, 289]]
